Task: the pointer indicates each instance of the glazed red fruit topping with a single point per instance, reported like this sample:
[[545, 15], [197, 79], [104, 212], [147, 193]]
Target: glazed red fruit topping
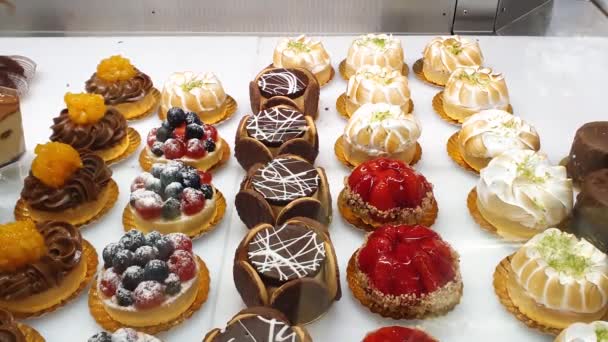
[[205, 177], [193, 201], [182, 263], [195, 149], [180, 132], [387, 184], [109, 282], [398, 334], [411, 260], [210, 132], [148, 294], [148, 204], [174, 149], [180, 241], [151, 137]]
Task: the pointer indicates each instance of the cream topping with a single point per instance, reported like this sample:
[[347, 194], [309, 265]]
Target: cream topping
[[586, 332], [476, 89], [492, 132], [375, 84], [193, 92], [447, 53], [301, 52], [376, 49], [522, 186], [382, 129]]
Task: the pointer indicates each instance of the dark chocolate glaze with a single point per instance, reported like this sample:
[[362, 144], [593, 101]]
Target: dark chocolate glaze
[[589, 150], [590, 213], [282, 82]]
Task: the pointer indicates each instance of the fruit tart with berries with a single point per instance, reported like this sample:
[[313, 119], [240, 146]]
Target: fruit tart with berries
[[42, 266], [174, 197], [405, 272], [398, 334], [149, 282], [88, 124], [123, 335], [184, 137], [124, 87], [387, 191], [64, 185]]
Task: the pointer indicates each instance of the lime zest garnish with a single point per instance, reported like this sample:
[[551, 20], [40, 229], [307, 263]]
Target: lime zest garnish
[[192, 84], [560, 251], [380, 116], [298, 46], [601, 334], [525, 169]]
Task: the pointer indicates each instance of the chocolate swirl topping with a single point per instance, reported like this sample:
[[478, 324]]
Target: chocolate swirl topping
[[64, 251], [105, 133], [9, 331], [120, 91], [84, 186]]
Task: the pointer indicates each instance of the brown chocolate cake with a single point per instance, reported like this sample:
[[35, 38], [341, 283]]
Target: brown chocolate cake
[[590, 213], [589, 150], [290, 267]]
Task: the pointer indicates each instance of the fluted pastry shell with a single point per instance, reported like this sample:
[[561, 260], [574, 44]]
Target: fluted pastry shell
[[374, 49], [380, 130], [443, 55], [375, 84], [489, 133], [565, 277], [584, 332], [304, 52], [201, 93], [473, 89], [521, 194]]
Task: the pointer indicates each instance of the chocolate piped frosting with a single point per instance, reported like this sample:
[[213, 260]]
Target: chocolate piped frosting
[[131, 90], [85, 185], [64, 252], [9, 331], [105, 133]]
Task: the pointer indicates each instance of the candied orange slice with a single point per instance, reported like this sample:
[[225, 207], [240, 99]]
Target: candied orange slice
[[115, 68], [55, 163], [21, 243], [85, 108]]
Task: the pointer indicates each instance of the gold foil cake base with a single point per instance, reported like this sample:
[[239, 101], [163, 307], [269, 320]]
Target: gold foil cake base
[[229, 110], [339, 151], [134, 140], [146, 162], [418, 72], [477, 217], [454, 153], [30, 334], [341, 106], [90, 258], [156, 94], [501, 278], [98, 311], [438, 107], [128, 220], [427, 220], [342, 69], [21, 211]]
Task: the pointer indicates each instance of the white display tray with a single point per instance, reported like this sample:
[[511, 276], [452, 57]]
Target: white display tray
[[556, 84]]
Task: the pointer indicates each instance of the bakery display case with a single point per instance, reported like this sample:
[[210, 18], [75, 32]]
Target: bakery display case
[[303, 187]]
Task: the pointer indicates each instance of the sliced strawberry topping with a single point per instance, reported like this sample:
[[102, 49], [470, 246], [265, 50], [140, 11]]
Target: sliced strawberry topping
[[387, 184], [410, 260], [398, 334]]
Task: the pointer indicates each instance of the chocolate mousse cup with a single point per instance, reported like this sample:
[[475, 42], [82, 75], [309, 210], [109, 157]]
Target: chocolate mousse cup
[[292, 86]]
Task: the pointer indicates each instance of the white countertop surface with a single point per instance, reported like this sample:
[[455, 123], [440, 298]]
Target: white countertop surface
[[556, 84]]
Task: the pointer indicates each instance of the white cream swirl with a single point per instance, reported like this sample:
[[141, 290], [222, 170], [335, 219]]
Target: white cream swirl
[[376, 49], [375, 84], [492, 132], [301, 52], [381, 129], [476, 89], [447, 53], [193, 92], [522, 186], [584, 332], [562, 272]]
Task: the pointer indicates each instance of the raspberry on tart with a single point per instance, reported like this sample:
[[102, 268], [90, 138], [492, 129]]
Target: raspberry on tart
[[406, 272], [174, 197], [398, 334], [382, 191], [184, 137], [149, 279]]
